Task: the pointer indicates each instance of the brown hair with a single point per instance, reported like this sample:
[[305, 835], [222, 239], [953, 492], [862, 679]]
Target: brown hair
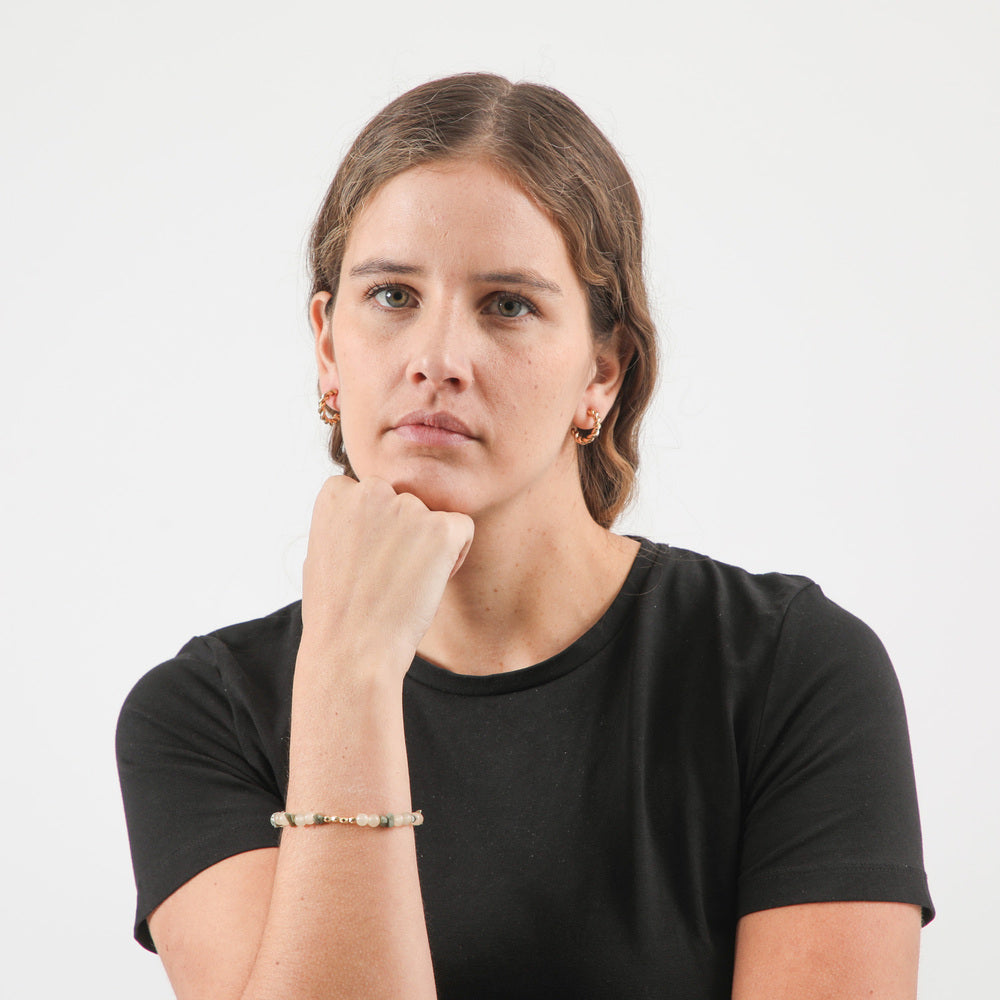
[[556, 154]]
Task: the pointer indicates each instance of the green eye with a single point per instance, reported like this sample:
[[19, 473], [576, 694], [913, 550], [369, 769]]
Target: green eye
[[511, 308], [392, 298]]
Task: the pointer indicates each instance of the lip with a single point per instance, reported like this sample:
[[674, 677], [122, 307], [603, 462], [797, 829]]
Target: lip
[[427, 427]]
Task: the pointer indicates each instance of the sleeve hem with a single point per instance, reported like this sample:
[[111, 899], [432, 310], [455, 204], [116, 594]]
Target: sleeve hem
[[150, 899], [841, 883]]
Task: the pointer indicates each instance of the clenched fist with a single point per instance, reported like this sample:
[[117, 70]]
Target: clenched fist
[[376, 569]]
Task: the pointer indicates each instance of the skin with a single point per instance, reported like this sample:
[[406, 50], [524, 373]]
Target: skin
[[828, 951], [473, 547]]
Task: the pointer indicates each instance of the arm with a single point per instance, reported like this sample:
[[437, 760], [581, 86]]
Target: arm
[[828, 951], [223, 909], [335, 910]]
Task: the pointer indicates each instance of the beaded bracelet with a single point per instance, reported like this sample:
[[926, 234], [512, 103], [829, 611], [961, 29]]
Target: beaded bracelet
[[281, 819]]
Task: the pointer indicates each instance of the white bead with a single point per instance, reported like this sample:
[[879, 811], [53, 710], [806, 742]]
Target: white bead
[[373, 821], [361, 819]]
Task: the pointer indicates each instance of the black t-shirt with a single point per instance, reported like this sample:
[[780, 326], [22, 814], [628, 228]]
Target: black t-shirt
[[718, 743]]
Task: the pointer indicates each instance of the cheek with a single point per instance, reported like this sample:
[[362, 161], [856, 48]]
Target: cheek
[[357, 401], [361, 365], [543, 399]]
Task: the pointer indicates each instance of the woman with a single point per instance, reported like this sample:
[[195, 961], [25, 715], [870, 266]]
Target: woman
[[644, 773]]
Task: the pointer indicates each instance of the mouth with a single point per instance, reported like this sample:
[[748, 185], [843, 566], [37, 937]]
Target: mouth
[[425, 427]]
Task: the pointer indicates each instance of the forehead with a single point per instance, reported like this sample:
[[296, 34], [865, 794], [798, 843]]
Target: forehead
[[458, 211]]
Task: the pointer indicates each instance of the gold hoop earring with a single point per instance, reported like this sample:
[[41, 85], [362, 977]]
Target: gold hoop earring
[[586, 437], [326, 412]]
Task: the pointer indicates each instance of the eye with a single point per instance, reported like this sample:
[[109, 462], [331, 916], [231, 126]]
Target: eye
[[512, 306], [390, 296]]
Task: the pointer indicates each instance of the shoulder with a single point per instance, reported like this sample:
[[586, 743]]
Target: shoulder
[[273, 636], [726, 608], [699, 580], [253, 649], [699, 588], [755, 642], [217, 678]]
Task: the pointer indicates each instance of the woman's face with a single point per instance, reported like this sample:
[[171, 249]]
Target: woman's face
[[460, 343]]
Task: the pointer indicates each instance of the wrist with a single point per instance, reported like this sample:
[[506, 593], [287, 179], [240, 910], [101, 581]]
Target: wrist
[[355, 661], [347, 735], [332, 701]]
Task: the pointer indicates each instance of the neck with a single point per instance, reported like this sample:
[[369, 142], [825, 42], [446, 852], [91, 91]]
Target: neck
[[527, 590]]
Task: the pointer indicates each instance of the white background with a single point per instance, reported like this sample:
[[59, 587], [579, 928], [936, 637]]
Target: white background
[[821, 188]]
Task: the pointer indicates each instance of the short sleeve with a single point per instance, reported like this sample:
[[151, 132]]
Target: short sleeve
[[194, 791], [830, 807]]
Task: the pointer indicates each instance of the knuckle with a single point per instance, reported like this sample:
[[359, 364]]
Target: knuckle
[[448, 531], [330, 488], [372, 487], [412, 504]]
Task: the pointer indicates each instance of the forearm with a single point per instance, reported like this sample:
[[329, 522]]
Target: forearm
[[346, 917]]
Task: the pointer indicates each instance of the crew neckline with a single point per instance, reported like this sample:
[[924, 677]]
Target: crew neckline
[[642, 577]]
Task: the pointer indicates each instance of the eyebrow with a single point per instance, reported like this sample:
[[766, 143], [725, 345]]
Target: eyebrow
[[380, 265], [527, 278], [531, 279]]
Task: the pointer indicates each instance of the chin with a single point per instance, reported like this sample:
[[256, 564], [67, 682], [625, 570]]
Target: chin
[[434, 484], [434, 495]]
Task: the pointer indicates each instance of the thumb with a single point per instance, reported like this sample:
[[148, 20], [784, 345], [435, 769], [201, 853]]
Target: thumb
[[464, 528]]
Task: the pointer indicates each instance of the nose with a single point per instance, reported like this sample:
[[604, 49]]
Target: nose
[[440, 351]]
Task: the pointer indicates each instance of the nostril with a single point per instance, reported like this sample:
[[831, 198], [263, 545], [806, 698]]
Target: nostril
[[440, 366]]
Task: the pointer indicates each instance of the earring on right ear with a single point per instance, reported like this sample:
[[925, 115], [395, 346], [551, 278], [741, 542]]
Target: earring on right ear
[[586, 437], [326, 412]]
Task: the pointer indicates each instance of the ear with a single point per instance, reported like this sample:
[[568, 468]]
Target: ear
[[320, 313], [610, 364]]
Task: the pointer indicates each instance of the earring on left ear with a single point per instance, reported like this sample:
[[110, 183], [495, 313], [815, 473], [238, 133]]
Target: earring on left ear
[[326, 412], [586, 437]]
